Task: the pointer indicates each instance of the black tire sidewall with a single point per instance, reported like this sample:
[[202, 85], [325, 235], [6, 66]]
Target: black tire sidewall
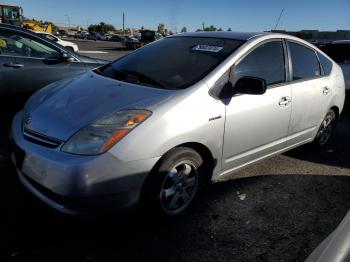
[[155, 180], [70, 49], [333, 123]]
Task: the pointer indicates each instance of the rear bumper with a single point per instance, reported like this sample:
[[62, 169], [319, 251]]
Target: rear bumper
[[76, 184]]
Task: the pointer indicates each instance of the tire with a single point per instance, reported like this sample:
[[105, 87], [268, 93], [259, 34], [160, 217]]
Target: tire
[[70, 49], [173, 185], [326, 130]]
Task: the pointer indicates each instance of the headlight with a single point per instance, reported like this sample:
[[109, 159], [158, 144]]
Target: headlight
[[100, 136]]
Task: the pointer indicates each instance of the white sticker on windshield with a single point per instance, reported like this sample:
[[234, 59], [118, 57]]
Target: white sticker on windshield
[[207, 48]]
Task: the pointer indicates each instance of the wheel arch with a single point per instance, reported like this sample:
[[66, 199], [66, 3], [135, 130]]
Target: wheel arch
[[336, 111], [207, 156], [209, 164], [209, 161]]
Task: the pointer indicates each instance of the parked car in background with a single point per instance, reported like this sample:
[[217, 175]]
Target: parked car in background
[[154, 125], [62, 33], [339, 51], [103, 37], [68, 45], [131, 42], [94, 36], [29, 61], [117, 38], [81, 35]]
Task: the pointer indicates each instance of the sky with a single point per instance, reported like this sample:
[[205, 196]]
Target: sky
[[239, 15]]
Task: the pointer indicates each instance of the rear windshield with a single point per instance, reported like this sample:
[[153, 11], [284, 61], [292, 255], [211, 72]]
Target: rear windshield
[[172, 63]]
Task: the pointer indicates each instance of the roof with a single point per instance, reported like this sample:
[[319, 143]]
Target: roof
[[224, 34], [11, 5]]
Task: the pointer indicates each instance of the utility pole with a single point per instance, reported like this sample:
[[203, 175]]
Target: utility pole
[[68, 18], [203, 24], [279, 18], [123, 23]]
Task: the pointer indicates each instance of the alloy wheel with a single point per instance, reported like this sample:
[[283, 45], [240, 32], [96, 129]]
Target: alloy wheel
[[179, 188]]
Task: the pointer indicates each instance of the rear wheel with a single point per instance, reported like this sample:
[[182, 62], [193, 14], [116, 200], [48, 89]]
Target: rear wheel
[[326, 130], [174, 184]]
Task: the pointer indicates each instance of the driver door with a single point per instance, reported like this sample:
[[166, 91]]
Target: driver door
[[257, 125]]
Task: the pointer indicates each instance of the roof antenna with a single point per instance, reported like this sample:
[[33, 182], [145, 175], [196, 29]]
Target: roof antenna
[[279, 19]]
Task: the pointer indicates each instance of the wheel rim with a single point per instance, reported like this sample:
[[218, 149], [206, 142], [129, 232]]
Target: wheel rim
[[179, 188], [325, 130]]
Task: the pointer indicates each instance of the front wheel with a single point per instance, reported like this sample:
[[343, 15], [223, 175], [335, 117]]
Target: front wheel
[[174, 184], [326, 130], [70, 48]]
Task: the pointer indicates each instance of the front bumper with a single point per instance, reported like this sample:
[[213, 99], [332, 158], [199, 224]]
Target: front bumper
[[76, 184]]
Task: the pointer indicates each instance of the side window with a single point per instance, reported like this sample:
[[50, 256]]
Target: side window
[[266, 61], [13, 44], [326, 64], [304, 62]]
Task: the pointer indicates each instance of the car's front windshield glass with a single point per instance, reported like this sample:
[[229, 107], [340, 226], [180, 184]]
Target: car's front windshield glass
[[172, 63]]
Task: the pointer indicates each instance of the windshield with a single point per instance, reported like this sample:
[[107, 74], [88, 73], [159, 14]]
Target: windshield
[[172, 63], [11, 12]]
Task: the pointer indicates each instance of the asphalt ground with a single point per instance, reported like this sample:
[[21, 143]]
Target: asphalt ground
[[279, 210], [100, 49]]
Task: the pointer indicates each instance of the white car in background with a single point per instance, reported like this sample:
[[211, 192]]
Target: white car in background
[[68, 45], [339, 51]]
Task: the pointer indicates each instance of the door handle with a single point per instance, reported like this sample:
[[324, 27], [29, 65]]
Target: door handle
[[13, 65], [284, 101], [326, 90]]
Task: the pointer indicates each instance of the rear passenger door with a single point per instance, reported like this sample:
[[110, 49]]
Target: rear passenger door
[[311, 93]]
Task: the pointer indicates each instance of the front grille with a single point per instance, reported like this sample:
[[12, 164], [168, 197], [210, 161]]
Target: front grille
[[39, 139]]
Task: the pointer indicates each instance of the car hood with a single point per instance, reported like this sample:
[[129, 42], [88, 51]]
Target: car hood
[[61, 109]]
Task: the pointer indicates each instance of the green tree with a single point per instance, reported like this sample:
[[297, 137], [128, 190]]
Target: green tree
[[161, 29], [220, 29], [101, 28], [229, 29], [184, 29], [210, 28]]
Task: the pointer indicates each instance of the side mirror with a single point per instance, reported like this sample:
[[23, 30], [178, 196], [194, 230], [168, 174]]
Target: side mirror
[[250, 86], [67, 57]]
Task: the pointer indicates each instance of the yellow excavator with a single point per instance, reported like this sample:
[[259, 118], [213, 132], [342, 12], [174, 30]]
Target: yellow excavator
[[13, 14]]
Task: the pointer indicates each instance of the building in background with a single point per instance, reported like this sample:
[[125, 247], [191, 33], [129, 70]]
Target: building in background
[[318, 36]]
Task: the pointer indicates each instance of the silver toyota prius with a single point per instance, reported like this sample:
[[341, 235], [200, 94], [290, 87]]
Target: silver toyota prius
[[151, 127]]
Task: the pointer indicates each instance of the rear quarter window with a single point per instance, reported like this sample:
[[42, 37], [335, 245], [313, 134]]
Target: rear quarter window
[[305, 64], [326, 64]]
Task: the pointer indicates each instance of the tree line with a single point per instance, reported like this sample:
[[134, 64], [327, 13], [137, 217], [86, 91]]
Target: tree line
[[161, 29]]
